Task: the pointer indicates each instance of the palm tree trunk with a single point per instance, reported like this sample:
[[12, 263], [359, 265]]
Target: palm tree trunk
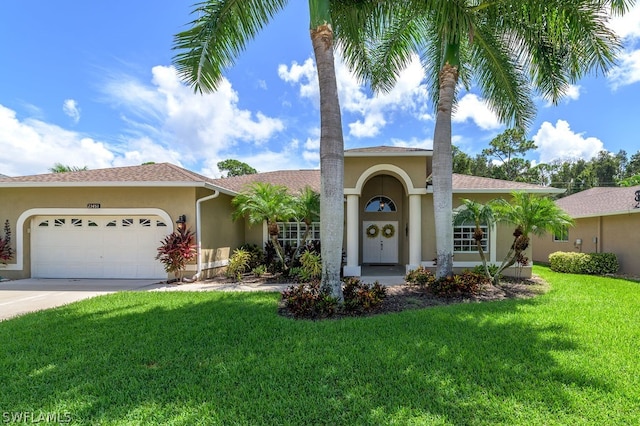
[[442, 172], [331, 150]]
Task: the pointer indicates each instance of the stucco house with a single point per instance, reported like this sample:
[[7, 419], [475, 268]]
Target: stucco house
[[108, 223], [606, 221]]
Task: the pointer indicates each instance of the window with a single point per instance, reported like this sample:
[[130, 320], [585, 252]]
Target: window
[[380, 204], [561, 236], [463, 241], [291, 233], [76, 222], [145, 223], [59, 222], [127, 222]]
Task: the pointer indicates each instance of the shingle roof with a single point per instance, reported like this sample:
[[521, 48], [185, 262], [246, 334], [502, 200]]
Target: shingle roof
[[600, 202], [295, 180], [160, 172], [386, 150], [462, 183]]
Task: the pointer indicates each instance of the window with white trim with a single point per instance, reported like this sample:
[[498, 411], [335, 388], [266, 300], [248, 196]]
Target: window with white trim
[[291, 233], [562, 236], [463, 241]]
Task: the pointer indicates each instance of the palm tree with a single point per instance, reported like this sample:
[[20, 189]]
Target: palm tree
[[263, 202], [307, 207], [221, 31], [508, 49], [529, 214], [478, 214], [62, 168]]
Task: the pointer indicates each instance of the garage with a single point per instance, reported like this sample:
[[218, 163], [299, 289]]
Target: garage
[[78, 246]]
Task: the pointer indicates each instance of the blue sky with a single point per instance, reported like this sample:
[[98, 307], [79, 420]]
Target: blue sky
[[91, 83]]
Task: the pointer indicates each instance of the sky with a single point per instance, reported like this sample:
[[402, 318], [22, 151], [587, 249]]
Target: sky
[[92, 84]]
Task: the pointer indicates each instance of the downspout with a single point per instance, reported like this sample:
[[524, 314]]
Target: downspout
[[199, 230]]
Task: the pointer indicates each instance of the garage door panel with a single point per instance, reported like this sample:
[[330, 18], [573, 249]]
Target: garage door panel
[[96, 247]]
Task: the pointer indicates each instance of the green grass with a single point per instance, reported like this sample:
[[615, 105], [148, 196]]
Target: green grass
[[571, 356]]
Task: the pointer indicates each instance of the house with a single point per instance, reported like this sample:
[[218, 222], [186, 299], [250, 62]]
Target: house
[[606, 221], [108, 223]]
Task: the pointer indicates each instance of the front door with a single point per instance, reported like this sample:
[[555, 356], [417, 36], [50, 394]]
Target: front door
[[380, 242]]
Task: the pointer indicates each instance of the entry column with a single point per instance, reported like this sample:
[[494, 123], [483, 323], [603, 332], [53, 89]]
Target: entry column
[[415, 231], [352, 268]]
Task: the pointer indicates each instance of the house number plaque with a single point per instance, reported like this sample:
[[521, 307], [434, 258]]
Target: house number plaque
[[93, 205]]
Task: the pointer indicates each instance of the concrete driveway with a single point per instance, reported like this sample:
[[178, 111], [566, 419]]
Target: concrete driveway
[[34, 294]]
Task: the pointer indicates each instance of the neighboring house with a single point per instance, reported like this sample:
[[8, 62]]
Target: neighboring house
[[606, 221], [108, 223]]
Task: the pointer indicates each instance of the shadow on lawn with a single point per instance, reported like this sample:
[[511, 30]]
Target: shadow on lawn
[[229, 358]]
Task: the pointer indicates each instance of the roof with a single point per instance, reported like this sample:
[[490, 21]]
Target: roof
[[166, 174], [157, 174], [467, 183], [388, 151], [295, 180], [600, 202]]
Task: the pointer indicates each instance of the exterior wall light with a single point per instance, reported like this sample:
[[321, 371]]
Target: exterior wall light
[[182, 220]]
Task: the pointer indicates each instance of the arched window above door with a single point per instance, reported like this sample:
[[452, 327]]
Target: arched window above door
[[381, 204]]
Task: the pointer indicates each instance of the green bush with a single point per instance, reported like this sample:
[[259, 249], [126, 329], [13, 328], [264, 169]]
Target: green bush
[[256, 255], [479, 269], [360, 297], [584, 263], [238, 264], [311, 266], [420, 276]]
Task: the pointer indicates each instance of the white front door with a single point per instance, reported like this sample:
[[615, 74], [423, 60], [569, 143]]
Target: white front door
[[380, 242]]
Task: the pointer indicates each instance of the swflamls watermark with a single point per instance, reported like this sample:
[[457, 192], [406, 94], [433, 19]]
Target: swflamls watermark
[[35, 417]]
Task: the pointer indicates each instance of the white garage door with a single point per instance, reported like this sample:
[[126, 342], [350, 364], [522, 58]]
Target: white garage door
[[96, 246]]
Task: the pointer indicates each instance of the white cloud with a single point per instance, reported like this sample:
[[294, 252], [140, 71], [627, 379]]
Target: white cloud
[[33, 146], [70, 108], [413, 143], [373, 111], [628, 25], [471, 107], [627, 71], [559, 142]]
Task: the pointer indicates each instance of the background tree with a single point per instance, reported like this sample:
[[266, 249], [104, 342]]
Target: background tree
[[506, 49], [235, 168], [508, 148], [62, 168]]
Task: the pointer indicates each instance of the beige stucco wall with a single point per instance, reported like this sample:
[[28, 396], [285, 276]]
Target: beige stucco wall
[[174, 201], [415, 167], [616, 234]]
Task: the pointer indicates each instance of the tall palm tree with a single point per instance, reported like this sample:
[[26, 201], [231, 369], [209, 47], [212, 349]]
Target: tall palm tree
[[263, 202], [508, 49], [529, 214], [478, 214], [221, 31]]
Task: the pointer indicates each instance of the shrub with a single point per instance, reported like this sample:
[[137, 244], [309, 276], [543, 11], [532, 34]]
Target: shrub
[[238, 264], [311, 268], [467, 282], [360, 297], [256, 255], [6, 252], [259, 270], [420, 276], [584, 263], [177, 249], [308, 301], [479, 269]]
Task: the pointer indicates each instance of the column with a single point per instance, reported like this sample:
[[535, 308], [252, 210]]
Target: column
[[415, 231], [352, 268]]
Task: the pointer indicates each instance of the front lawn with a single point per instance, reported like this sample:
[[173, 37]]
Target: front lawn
[[570, 356]]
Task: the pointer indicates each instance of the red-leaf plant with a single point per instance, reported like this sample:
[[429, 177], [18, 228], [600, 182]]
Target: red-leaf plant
[[6, 252], [177, 249]]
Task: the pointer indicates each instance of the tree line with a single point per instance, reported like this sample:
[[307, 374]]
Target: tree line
[[505, 159]]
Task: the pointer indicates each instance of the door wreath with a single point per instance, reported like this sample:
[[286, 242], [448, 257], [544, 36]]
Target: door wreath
[[388, 231], [373, 231]]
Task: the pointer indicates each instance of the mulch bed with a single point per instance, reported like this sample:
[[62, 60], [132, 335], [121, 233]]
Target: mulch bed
[[405, 297]]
